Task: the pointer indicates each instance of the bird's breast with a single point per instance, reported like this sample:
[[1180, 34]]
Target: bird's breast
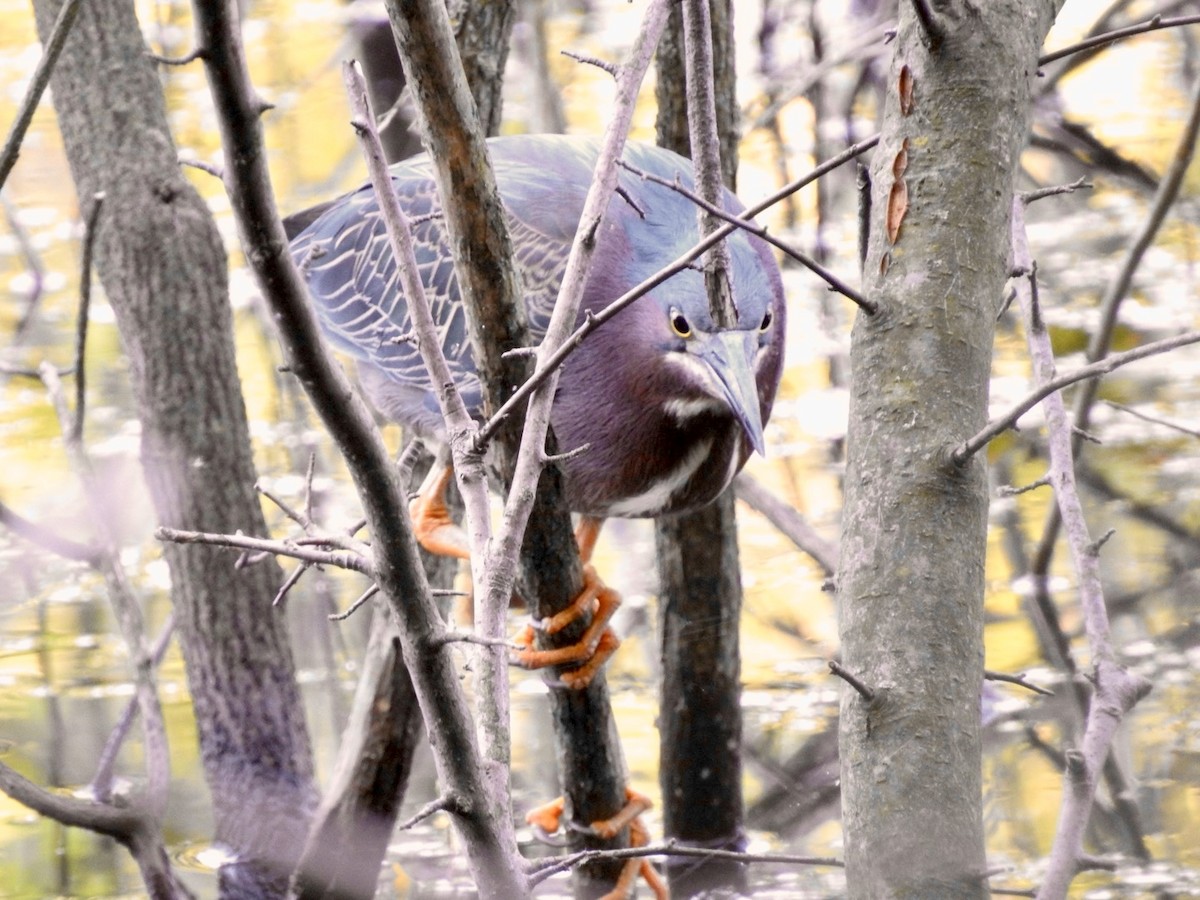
[[661, 461]]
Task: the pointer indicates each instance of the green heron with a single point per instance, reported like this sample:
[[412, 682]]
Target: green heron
[[669, 405]]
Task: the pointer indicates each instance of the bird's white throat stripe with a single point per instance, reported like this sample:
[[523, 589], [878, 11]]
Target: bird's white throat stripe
[[685, 410], [653, 500]]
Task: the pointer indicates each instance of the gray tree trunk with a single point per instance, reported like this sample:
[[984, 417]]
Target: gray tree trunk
[[700, 722], [163, 268], [910, 583]]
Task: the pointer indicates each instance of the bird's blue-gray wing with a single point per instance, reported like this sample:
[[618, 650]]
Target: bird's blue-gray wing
[[347, 262]]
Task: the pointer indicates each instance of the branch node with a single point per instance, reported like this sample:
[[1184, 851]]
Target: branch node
[[865, 692]]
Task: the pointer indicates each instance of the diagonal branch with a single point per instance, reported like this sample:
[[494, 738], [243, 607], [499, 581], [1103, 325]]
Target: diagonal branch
[[37, 85], [998, 426], [486, 837]]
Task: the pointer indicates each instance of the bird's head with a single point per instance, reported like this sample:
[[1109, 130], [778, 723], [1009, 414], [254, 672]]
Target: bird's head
[[731, 368]]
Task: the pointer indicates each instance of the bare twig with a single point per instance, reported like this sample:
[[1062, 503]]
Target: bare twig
[[447, 803], [47, 539], [547, 868], [342, 559], [102, 781], [1080, 183], [1018, 680], [198, 53], [208, 168], [1174, 426], [788, 520], [591, 61], [762, 232], [1152, 24], [841, 672], [998, 426], [75, 431], [125, 607], [37, 85]]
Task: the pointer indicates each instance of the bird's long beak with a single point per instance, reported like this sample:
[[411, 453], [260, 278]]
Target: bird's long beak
[[730, 355]]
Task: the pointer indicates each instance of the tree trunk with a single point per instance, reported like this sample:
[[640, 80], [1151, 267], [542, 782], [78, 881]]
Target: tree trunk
[[163, 268], [910, 583], [700, 723]]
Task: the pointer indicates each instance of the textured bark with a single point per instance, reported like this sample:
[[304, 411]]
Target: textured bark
[[700, 723], [160, 259], [910, 583], [353, 827], [483, 32]]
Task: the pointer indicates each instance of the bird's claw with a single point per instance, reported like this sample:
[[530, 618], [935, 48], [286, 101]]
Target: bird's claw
[[547, 820], [591, 651]]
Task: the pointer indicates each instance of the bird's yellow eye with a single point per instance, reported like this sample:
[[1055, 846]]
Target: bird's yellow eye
[[766, 322], [680, 324]]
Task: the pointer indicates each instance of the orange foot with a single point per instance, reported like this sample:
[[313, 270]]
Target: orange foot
[[592, 650], [437, 533], [548, 819]]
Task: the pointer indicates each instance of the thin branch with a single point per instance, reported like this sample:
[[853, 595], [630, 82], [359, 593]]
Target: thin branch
[[998, 426], [788, 520], [125, 606], [199, 53], [543, 869], [342, 559], [446, 803], [1166, 423], [355, 606], [75, 431], [472, 480], [302, 519], [209, 168], [1080, 183], [1117, 691], [841, 672], [584, 58], [101, 783], [467, 637], [288, 583], [1018, 680], [761, 231], [47, 539], [1118, 289], [1152, 24], [33, 262], [37, 86]]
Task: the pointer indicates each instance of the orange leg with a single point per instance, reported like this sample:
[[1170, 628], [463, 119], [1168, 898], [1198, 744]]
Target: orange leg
[[586, 533], [592, 650], [432, 525]]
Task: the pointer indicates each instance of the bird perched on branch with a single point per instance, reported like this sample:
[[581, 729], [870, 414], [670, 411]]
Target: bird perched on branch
[[669, 405]]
